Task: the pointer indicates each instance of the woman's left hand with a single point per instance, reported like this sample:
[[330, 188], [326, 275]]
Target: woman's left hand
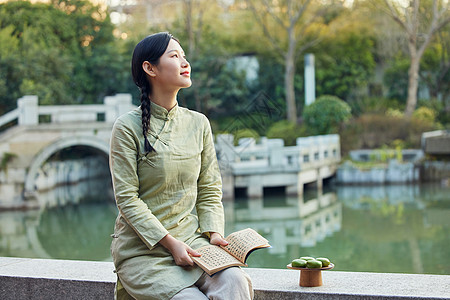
[[217, 239]]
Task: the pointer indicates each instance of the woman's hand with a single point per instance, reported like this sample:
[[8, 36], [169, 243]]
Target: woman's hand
[[217, 239], [180, 251]]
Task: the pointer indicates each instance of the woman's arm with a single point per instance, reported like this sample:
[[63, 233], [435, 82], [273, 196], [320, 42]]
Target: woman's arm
[[209, 186], [123, 164]]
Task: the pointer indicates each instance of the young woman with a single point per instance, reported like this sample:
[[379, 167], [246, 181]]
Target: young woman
[[163, 165]]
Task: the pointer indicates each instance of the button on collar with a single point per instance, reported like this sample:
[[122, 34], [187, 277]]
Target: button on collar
[[161, 113]]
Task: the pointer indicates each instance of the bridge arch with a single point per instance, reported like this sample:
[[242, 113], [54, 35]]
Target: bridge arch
[[49, 150]]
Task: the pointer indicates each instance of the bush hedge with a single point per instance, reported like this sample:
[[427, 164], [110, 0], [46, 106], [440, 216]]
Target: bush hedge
[[325, 115]]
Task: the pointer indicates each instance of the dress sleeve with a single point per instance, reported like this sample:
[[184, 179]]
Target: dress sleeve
[[123, 164], [209, 187]]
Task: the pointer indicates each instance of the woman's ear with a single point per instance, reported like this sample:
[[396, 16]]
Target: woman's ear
[[149, 68]]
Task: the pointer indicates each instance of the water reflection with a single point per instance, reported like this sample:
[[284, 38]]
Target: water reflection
[[287, 221], [375, 229], [75, 223], [382, 229]]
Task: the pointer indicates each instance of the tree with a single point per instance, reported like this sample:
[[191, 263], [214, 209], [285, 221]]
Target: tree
[[419, 22], [201, 29], [64, 52], [345, 60], [435, 67], [290, 32]]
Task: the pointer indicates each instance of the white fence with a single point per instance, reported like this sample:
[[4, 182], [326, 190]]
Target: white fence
[[28, 111], [270, 155]]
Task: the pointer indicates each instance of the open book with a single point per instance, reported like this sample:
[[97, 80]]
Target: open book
[[240, 245]]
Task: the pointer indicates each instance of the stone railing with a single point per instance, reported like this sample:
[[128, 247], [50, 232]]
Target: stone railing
[[24, 278], [365, 155], [271, 154], [28, 111]]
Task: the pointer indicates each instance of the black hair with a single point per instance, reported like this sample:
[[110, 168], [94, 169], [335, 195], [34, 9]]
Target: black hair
[[149, 49]]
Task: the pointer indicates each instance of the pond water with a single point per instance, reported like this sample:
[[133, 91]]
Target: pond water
[[403, 229]]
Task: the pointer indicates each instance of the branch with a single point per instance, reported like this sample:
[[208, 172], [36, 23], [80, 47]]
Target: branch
[[435, 26], [446, 19], [308, 45], [444, 9], [273, 14], [301, 11], [415, 21], [272, 40], [393, 13]]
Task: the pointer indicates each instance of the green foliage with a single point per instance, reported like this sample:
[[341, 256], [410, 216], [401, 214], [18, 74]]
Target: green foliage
[[6, 159], [383, 155], [217, 87], [372, 131], [245, 133], [395, 113], [381, 105], [424, 114], [325, 115], [396, 78], [442, 112], [434, 74], [64, 52], [434, 67], [345, 62], [287, 131]]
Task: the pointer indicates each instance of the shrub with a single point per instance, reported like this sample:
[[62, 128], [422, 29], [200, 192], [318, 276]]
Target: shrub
[[396, 113], [6, 159], [325, 115], [245, 133], [424, 114], [441, 109], [363, 105], [287, 131], [371, 131]]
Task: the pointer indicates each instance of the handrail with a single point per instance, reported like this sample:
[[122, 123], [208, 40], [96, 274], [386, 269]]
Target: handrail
[[28, 111], [9, 116]]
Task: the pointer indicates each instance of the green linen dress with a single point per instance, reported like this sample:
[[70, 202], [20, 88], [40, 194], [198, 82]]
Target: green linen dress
[[176, 190]]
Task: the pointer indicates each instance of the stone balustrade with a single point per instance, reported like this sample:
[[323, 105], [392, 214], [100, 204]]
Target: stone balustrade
[[269, 163], [28, 111], [271, 154], [24, 278]]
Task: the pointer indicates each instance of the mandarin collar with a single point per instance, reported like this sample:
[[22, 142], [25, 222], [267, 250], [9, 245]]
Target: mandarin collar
[[161, 113]]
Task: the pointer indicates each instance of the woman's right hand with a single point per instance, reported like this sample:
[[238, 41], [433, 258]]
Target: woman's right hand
[[180, 251]]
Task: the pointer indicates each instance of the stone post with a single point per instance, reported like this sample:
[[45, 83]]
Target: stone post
[[117, 105], [255, 188], [310, 81], [28, 110]]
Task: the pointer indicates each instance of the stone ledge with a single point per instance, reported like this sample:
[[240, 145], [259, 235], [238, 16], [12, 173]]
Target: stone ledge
[[24, 278]]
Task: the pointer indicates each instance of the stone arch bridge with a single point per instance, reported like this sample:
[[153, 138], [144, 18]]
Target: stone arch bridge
[[42, 131]]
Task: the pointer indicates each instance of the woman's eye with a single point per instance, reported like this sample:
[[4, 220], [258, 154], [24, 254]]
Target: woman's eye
[[175, 55]]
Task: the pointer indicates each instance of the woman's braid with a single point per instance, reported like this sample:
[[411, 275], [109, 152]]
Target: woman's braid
[[145, 107]]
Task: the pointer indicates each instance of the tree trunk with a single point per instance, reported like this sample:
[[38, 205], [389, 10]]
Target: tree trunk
[[413, 84], [289, 76]]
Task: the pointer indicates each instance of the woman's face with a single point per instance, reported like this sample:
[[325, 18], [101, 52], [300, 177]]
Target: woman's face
[[173, 70]]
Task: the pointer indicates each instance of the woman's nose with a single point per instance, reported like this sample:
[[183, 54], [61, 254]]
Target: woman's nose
[[185, 63]]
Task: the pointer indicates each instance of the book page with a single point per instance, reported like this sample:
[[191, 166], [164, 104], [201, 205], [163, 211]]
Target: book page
[[214, 258], [241, 242]]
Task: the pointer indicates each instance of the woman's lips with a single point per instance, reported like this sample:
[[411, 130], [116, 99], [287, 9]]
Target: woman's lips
[[185, 73]]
